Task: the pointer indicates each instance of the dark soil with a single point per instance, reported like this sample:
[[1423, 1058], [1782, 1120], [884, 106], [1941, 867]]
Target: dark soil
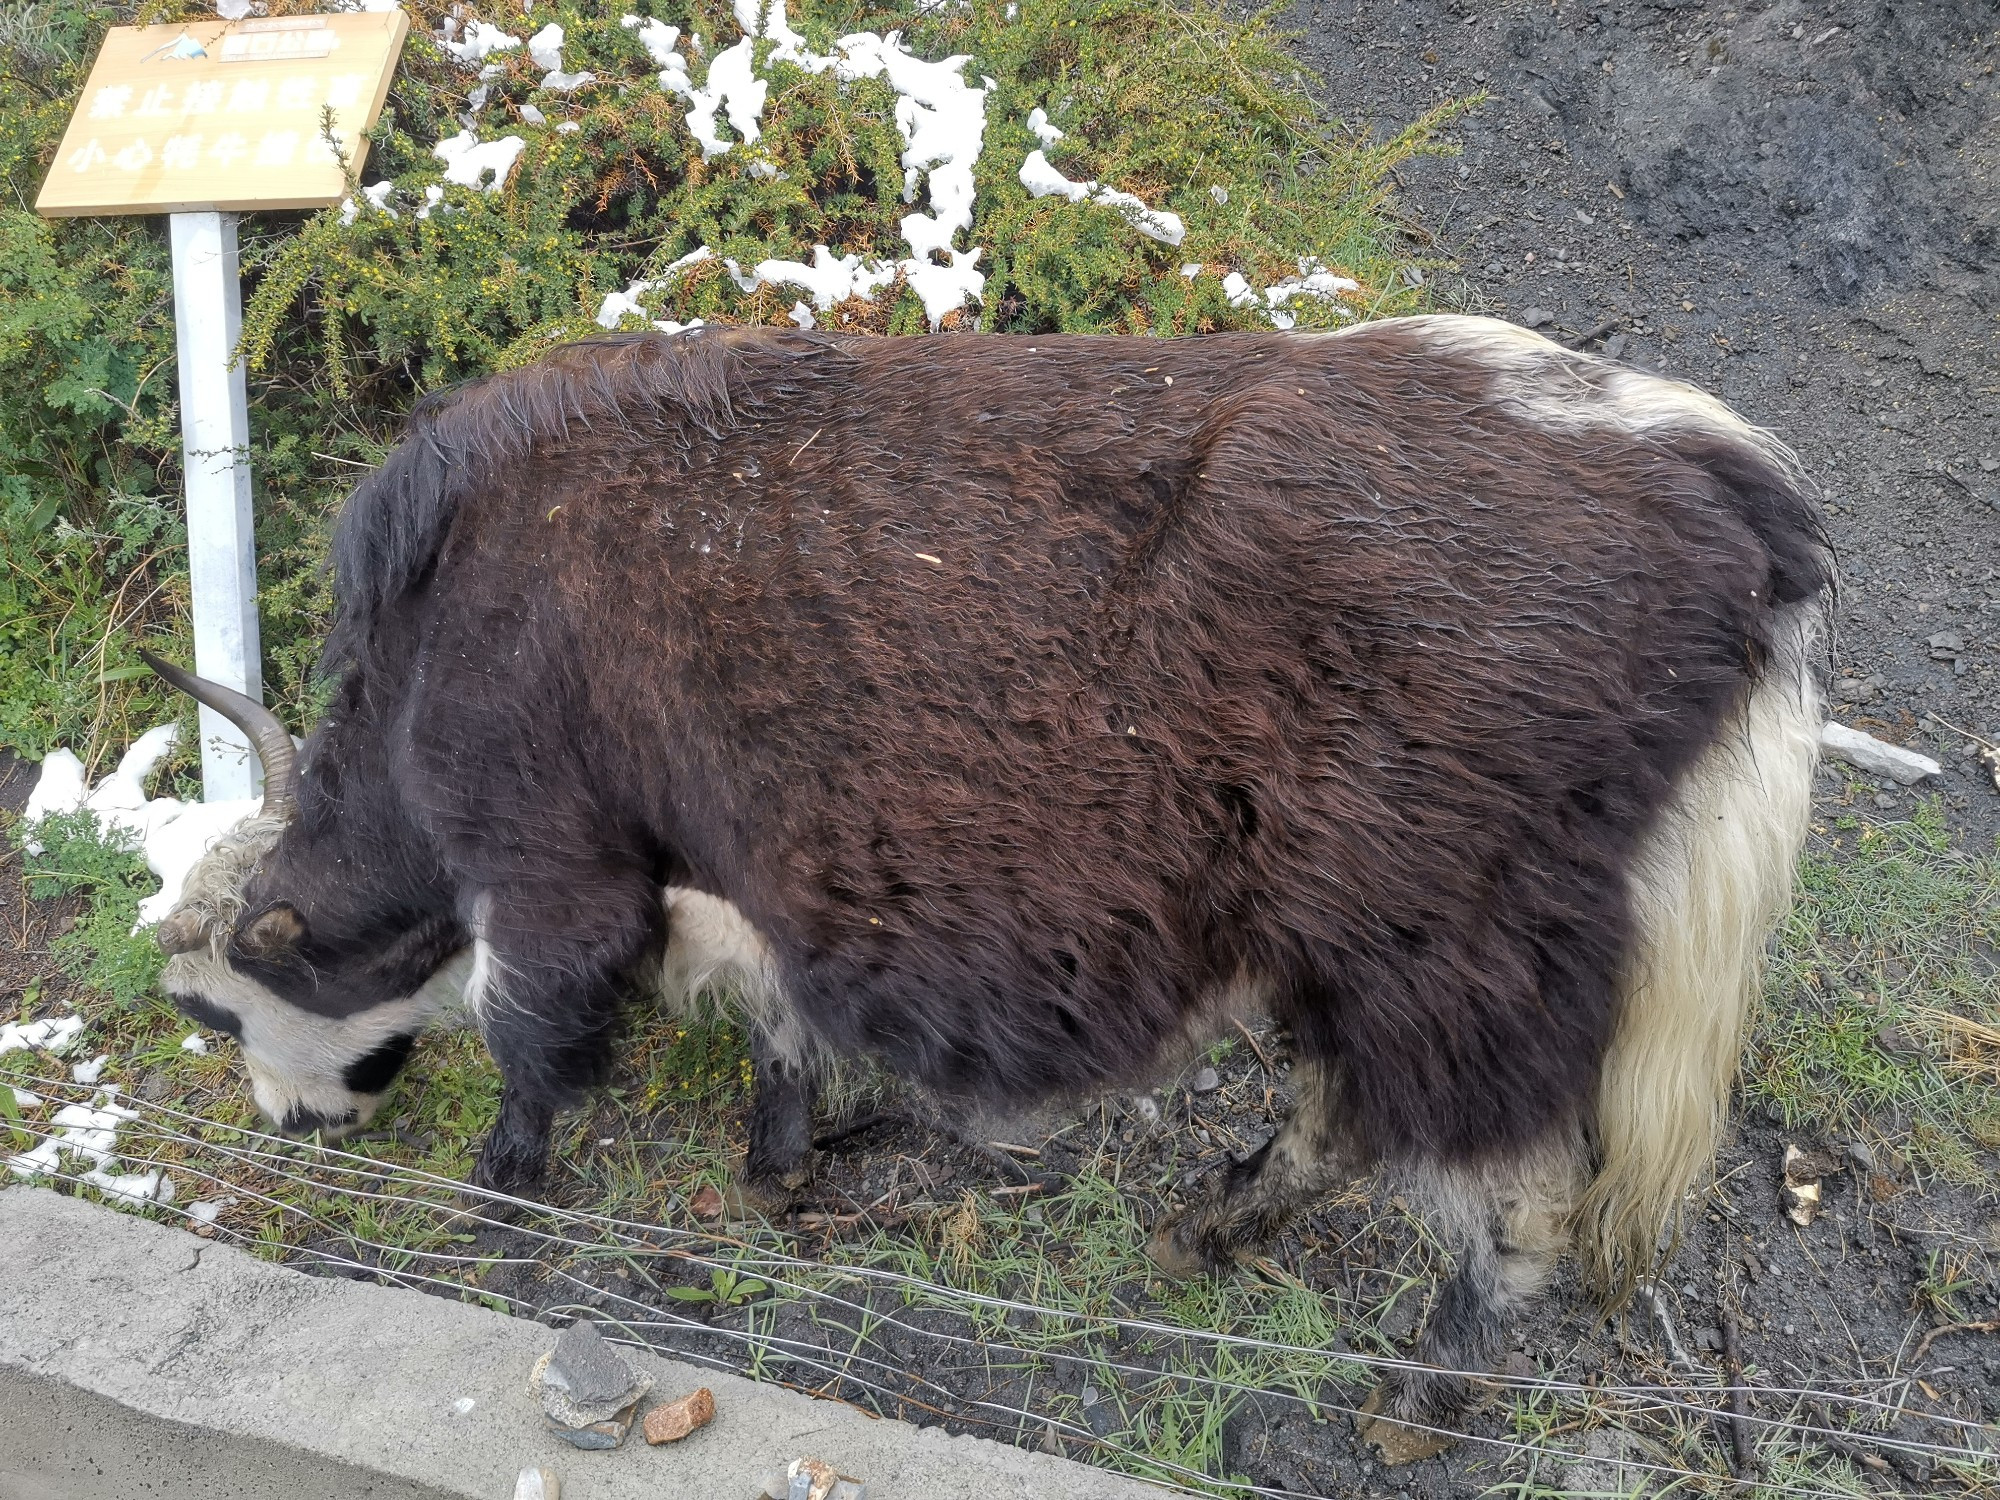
[[1794, 205]]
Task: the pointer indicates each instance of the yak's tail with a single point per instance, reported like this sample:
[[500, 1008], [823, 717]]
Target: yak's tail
[[1713, 880]]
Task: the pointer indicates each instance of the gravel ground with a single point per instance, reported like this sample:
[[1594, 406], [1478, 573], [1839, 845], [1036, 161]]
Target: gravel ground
[[1794, 205]]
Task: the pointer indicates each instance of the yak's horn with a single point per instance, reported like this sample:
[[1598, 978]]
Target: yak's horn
[[274, 745]]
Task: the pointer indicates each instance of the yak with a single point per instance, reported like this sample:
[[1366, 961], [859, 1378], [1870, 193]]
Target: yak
[[1012, 711]]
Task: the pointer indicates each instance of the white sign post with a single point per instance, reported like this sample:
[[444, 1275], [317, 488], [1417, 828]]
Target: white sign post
[[215, 439], [196, 120]]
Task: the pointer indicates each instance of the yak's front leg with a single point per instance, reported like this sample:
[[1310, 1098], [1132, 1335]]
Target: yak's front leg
[[548, 982], [778, 1163]]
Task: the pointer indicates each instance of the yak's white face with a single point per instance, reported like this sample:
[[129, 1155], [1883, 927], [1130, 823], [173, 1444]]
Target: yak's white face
[[309, 1072]]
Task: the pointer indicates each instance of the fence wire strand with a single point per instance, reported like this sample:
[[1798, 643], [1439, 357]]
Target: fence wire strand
[[330, 1170]]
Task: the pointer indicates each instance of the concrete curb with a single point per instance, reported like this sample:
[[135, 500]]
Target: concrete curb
[[146, 1360]]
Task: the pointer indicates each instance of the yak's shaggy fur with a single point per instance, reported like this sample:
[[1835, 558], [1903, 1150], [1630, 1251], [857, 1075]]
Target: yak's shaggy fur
[[1001, 702]]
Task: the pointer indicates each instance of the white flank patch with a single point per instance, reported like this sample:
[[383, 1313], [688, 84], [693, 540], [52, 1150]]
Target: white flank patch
[[467, 161], [169, 833], [1042, 180]]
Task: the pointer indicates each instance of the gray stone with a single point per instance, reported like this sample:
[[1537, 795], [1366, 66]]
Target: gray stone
[[1496, 268], [586, 1369], [1207, 1081], [1536, 317]]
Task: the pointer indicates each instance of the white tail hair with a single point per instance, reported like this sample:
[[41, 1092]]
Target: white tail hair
[[1711, 882]]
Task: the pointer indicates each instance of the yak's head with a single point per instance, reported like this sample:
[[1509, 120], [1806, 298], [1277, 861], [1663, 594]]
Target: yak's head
[[323, 976]]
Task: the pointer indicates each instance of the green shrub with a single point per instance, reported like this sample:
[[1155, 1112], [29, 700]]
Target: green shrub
[[351, 316], [101, 866]]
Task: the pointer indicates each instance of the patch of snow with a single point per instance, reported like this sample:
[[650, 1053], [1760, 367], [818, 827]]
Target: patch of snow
[[207, 1211], [829, 281], [132, 1187], [377, 196], [467, 161], [733, 88], [616, 306], [479, 42], [1191, 270], [169, 833], [90, 1072], [944, 289], [1314, 280], [568, 127], [194, 1041], [87, 1130], [802, 315], [1042, 180], [545, 47], [25, 1100], [1038, 122], [56, 1034], [565, 83], [532, 116], [941, 118]]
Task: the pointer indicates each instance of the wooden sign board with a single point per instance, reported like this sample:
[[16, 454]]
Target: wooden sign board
[[225, 114]]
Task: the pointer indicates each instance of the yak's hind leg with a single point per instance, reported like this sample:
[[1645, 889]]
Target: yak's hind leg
[[1312, 1152], [1506, 1222]]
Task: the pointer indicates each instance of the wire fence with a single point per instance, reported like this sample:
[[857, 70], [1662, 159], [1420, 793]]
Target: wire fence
[[292, 1180]]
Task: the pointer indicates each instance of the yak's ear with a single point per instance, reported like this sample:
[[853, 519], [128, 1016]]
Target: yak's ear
[[272, 933], [180, 932]]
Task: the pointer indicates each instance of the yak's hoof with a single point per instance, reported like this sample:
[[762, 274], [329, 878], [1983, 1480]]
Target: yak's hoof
[[507, 1173], [746, 1199], [1395, 1443], [1171, 1254]]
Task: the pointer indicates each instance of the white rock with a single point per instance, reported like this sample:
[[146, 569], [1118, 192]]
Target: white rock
[[1870, 754]]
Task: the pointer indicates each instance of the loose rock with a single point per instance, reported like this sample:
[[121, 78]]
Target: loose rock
[[1536, 317], [1207, 1081], [589, 1395], [1870, 754], [671, 1421]]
